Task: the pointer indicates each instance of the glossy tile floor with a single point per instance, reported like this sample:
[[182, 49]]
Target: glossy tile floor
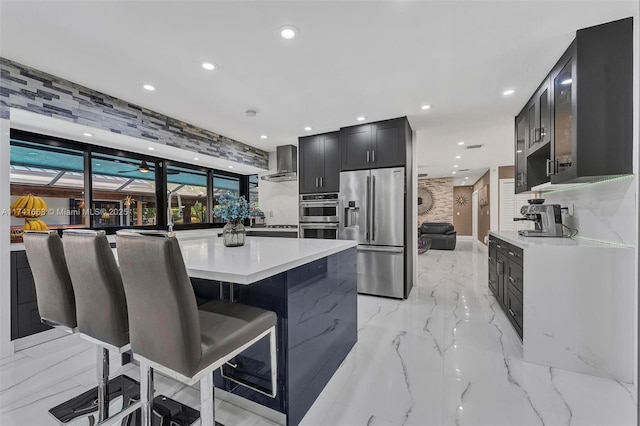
[[445, 356]]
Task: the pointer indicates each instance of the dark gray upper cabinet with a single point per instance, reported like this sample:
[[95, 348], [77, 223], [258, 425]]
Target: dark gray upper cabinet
[[319, 169], [522, 137], [580, 120], [375, 145], [593, 105]]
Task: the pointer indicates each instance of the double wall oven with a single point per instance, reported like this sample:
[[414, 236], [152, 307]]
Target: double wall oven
[[320, 216]]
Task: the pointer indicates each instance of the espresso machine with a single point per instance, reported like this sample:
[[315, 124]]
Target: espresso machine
[[547, 219]]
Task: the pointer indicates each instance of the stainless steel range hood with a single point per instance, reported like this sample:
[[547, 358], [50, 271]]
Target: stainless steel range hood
[[287, 161]]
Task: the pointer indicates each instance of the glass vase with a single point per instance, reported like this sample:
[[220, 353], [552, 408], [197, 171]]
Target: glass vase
[[234, 234]]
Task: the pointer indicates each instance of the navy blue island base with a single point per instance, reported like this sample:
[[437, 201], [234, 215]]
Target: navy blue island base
[[317, 308]]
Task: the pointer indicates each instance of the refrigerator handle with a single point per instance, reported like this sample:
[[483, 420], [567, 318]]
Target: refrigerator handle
[[368, 209], [373, 208]]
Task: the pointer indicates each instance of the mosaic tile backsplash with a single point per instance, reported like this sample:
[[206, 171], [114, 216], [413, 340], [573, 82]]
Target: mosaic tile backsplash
[[29, 89]]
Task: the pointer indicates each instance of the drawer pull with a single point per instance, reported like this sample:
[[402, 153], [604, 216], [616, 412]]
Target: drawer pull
[[511, 280], [499, 246], [512, 313], [490, 259]]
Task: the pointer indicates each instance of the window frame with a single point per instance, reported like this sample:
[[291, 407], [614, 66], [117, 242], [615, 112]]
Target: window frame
[[159, 165]]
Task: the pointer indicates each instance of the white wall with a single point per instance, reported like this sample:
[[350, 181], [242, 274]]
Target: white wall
[[278, 200], [6, 348]]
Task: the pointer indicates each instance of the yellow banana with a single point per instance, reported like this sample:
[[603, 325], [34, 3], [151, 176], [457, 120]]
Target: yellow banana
[[27, 225], [29, 205]]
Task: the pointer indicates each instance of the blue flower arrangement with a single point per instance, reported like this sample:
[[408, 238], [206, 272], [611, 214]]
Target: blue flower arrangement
[[234, 208]]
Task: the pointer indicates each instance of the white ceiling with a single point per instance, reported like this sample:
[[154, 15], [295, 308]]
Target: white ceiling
[[378, 59]]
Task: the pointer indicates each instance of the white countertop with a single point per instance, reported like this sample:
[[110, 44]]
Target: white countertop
[[205, 255], [524, 242]]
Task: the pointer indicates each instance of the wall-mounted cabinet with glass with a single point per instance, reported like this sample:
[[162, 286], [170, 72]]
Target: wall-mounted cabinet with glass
[[125, 189], [579, 122]]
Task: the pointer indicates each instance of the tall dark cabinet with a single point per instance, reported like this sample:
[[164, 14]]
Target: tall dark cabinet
[[319, 163], [579, 122], [375, 145]]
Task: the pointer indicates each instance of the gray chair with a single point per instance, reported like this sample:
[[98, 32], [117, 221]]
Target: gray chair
[[101, 306], [169, 333], [54, 291]]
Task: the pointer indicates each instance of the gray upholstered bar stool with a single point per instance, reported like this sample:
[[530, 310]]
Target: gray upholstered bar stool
[[54, 291], [168, 331], [101, 306]]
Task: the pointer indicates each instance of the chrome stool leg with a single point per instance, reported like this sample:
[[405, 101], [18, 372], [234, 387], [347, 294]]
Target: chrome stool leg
[[103, 382], [146, 393]]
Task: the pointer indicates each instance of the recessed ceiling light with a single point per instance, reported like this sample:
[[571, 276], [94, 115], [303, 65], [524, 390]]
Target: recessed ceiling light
[[519, 151], [425, 107], [466, 177], [455, 165], [209, 66], [460, 143], [151, 148], [196, 158], [263, 136], [288, 32], [454, 172], [508, 92], [149, 87], [87, 135], [231, 167], [567, 81], [361, 118], [308, 129], [457, 156]]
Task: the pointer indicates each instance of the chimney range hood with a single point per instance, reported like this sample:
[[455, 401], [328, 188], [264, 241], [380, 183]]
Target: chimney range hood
[[287, 161]]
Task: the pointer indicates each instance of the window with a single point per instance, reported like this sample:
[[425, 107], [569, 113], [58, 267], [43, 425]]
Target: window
[[124, 191], [187, 195], [224, 184], [253, 191], [54, 173]]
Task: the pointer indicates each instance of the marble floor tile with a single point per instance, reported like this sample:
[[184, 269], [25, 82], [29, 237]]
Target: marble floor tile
[[445, 356]]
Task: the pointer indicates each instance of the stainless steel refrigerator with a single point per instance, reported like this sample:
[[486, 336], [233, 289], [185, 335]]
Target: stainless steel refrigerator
[[374, 214]]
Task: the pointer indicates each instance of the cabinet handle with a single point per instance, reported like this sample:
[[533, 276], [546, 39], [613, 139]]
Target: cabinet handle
[[367, 156], [321, 181], [512, 313], [316, 181], [500, 267], [373, 156], [513, 254], [499, 246], [511, 280], [490, 259]]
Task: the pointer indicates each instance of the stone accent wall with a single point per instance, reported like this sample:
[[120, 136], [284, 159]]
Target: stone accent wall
[[442, 193], [29, 89]]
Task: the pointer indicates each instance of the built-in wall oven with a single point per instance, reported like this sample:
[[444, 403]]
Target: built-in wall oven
[[320, 216]]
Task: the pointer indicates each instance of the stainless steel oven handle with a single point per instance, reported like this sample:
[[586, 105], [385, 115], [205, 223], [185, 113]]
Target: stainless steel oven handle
[[319, 204], [319, 225]]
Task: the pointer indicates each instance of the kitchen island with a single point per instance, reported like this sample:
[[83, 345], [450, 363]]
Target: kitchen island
[[310, 284]]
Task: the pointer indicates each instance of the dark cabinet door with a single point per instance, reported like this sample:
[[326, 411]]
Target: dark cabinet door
[[388, 147], [356, 147], [522, 136], [563, 152], [539, 117], [330, 144], [309, 167]]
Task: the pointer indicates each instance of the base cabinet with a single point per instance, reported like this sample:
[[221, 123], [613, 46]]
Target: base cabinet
[[25, 318], [505, 280]]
